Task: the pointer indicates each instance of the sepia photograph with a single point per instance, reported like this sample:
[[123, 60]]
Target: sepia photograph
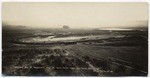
[[99, 39]]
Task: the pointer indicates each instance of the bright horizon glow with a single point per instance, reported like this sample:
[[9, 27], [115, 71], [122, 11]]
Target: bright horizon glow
[[75, 15], [121, 29]]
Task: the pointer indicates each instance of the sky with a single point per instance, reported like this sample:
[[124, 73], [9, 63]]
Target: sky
[[75, 15]]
